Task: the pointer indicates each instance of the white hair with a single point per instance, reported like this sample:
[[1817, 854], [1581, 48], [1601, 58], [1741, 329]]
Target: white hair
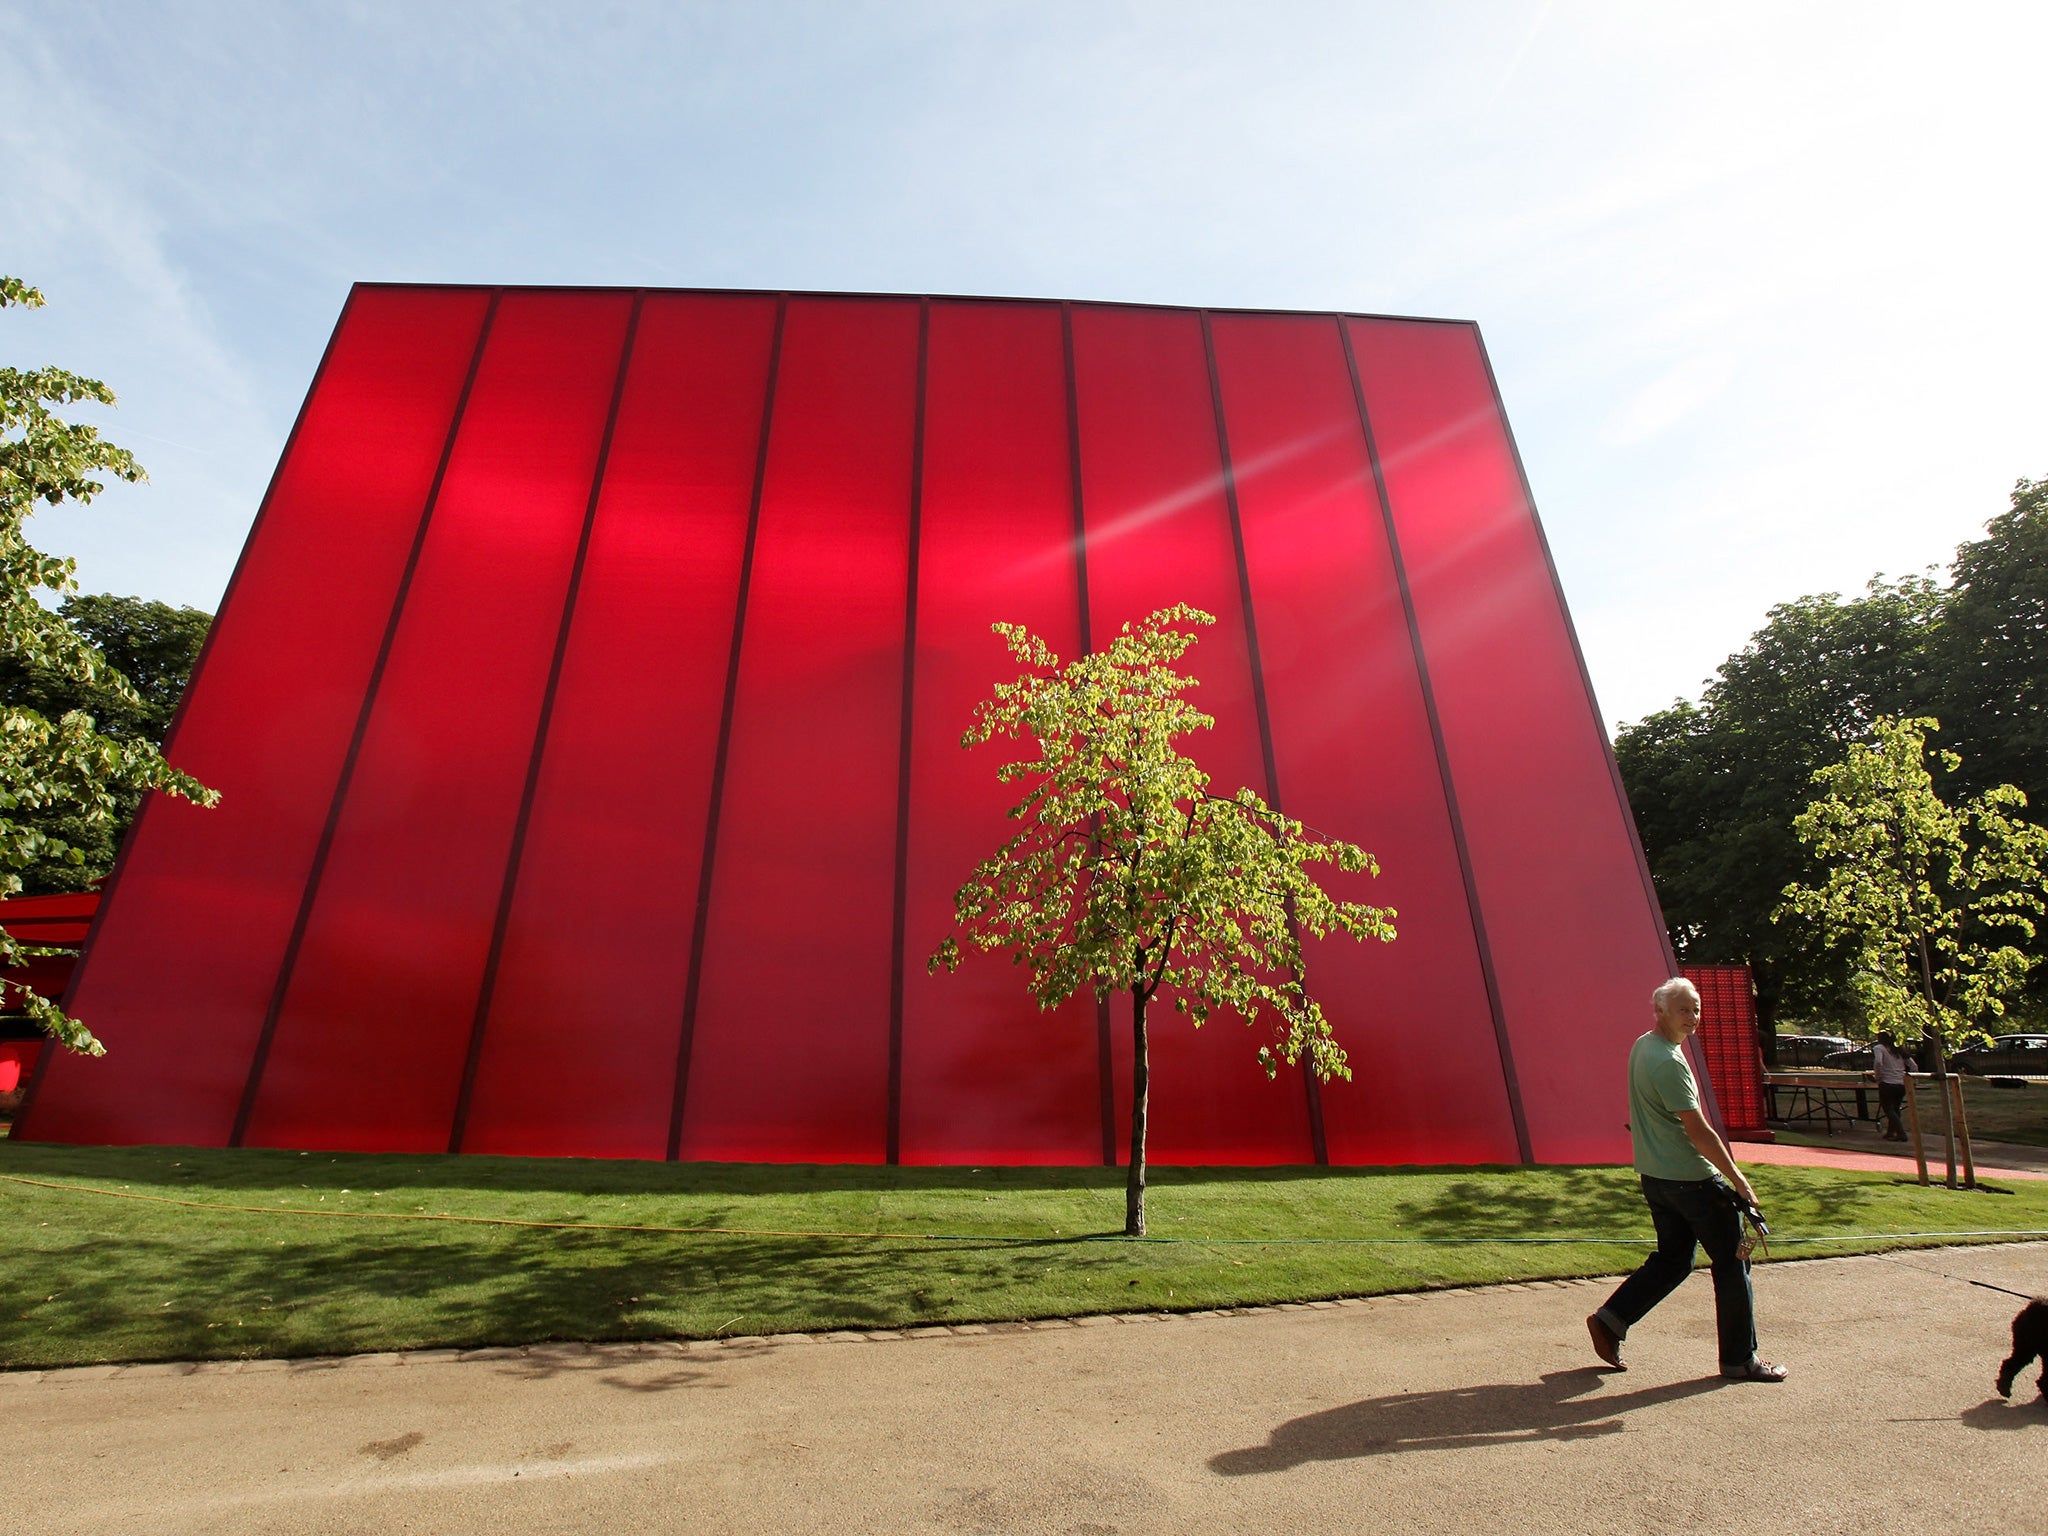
[[1677, 986]]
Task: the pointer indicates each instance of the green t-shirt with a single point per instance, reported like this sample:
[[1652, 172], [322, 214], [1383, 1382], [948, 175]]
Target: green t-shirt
[[1660, 1087]]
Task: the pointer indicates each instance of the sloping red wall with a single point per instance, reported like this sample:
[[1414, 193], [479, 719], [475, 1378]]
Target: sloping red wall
[[586, 704]]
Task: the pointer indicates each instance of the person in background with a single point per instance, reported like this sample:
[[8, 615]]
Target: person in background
[[1693, 1188], [1891, 1069]]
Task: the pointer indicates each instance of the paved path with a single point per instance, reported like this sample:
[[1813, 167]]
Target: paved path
[[1450, 1413]]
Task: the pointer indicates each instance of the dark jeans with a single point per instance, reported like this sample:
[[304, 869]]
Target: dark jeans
[[1689, 1212], [1891, 1097]]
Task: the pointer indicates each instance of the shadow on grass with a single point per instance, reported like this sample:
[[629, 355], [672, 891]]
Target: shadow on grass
[[1554, 1201], [202, 1297], [1552, 1408], [1547, 1200], [167, 1168], [264, 1168]]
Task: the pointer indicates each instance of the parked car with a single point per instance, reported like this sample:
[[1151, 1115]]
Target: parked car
[[1856, 1059], [2006, 1056], [1809, 1050]]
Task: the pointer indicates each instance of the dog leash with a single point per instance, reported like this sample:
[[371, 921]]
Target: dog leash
[[2023, 1296], [1942, 1274]]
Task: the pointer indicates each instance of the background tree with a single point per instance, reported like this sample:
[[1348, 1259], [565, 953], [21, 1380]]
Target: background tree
[[1715, 786], [154, 646], [1990, 658], [1129, 876], [1936, 902], [66, 767]]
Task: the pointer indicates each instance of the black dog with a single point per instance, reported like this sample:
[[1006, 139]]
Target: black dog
[[2029, 1343]]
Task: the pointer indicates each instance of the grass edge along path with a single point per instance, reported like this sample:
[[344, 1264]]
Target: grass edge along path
[[154, 1253]]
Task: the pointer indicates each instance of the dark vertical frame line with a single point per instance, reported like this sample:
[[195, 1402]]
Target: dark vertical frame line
[[899, 935], [488, 986], [1628, 820], [1318, 1142], [1074, 475], [1480, 940], [289, 963], [1244, 578], [700, 923], [1105, 1059], [170, 739]]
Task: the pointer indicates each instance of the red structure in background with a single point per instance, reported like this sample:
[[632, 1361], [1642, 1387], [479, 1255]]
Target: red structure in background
[[1727, 1039], [586, 705], [45, 921]]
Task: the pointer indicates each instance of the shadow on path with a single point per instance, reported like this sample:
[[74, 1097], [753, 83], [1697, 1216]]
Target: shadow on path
[[1553, 1408]]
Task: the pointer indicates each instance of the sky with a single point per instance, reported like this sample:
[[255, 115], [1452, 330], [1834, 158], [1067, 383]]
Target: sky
[[1762, 284]]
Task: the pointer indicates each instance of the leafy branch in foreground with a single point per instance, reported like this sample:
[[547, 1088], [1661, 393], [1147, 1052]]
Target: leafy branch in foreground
[[67, 764], [1130, 876]]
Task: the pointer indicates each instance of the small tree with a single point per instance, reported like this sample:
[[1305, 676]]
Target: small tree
[[1130, 876], [1938, 901], [67, 766]]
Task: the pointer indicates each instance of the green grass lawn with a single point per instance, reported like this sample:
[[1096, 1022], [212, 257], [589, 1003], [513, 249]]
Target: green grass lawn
[[92, 1278], [1996, 1114]]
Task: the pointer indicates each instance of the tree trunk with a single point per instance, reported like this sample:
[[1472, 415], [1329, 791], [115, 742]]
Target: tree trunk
[[1940, 1068], [1141, 1080], [1765, 980], [1963, 1134], [1948, 1119]]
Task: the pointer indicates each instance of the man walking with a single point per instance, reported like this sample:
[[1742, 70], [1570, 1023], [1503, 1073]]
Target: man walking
[[1891, 1069], [1692, 1186]]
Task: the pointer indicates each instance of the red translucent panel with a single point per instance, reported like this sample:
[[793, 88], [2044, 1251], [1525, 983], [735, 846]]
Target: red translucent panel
[[579, 1048], [1159, 533], [185, 961], [789, 1058], [987, 1077], [1576, 945], [1355, 757], [370, 1045]]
